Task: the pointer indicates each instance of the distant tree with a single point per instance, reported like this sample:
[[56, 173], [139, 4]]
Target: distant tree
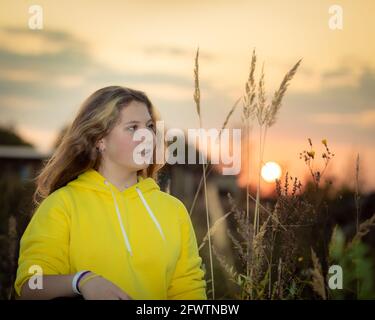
[[9, 137]]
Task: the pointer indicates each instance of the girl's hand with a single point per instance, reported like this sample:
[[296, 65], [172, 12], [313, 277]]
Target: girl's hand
[[100, 288]]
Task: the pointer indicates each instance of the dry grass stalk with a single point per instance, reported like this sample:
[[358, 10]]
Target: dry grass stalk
[[364, 228], [197, 102], [243, 229], [266, 115], [249, 106], [274, 107], [259, 256], [230, 269], [197, 94], [213, 229], [248, 112], [318, 282], [260, 110], [272, 214], [239, 247]]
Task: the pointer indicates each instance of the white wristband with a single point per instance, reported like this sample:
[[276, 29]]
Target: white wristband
[[76, 277]]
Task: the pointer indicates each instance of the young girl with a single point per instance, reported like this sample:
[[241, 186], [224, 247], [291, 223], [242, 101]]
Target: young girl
[[103, 228]]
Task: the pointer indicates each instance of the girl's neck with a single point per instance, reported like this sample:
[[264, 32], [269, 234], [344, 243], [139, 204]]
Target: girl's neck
[[118, 176]]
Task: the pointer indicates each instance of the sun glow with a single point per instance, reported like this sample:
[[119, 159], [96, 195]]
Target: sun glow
[[271, 171]]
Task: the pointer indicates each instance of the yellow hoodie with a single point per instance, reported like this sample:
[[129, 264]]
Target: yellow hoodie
[[141, 239]]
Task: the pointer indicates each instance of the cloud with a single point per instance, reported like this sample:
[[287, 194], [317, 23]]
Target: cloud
[[71, 61], [68, 60], [367, 84], [341, 112], [342, 76], [37, 41], [338, 72], [338, 98], [364, 119], [174, 51], [44, 89], [53, 35]]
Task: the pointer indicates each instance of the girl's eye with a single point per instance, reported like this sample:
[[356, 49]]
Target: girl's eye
[[132, 128]]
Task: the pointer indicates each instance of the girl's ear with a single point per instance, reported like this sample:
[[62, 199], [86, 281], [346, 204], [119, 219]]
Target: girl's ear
[[100, 145]]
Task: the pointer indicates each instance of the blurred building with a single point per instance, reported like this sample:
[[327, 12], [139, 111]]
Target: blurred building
[[23, 161]]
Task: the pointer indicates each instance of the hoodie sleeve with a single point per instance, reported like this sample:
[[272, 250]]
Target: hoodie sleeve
[[188, 281], [45, 242]]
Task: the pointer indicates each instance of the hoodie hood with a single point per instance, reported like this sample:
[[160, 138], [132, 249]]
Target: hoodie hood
[[93, 180]]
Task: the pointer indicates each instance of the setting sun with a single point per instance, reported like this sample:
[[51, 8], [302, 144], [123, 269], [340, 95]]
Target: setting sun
[[271, 171]]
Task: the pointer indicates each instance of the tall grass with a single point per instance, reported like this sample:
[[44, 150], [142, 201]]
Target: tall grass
[[266, 116], [278, 256], [197, 102]]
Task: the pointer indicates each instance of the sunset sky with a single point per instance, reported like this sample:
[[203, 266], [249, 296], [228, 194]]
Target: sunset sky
[[150, 45]]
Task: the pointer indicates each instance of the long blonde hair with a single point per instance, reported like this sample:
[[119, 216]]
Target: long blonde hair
[[77, 150]]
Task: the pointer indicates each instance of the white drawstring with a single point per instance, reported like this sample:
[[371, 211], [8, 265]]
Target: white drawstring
[[127, 243], [120, 220], [150, 213]]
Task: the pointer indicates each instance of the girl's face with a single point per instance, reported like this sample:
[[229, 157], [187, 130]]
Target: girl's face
[[119, 144]]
